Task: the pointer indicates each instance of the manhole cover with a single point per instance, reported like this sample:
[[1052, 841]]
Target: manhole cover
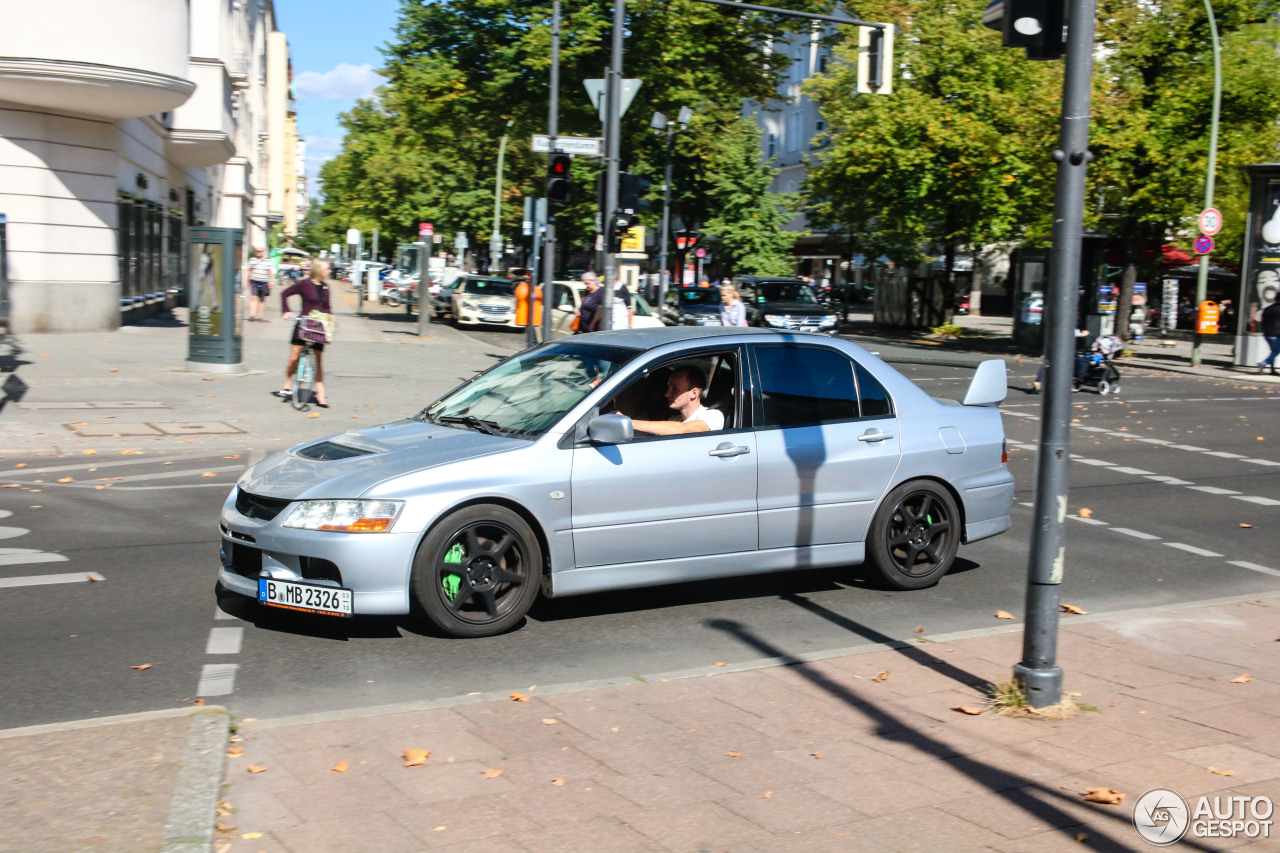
[[195, 428], [108, 430]]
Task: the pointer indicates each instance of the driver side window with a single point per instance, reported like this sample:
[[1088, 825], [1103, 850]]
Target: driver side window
[[649, 396]]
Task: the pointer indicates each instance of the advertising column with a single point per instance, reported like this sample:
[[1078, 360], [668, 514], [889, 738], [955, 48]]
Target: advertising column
[[1260, 273], [215, 320]]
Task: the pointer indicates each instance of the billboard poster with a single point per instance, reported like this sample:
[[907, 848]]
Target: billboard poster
[[206, 289]]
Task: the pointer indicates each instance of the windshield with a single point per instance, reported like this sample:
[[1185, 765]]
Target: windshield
[[489, 287], [785, 291], [528, 393], [699, 297]]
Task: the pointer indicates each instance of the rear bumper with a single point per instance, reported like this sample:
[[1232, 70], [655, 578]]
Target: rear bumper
[[987, 504]]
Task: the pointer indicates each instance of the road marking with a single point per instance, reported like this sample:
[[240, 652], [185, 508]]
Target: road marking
[[133, 478], [1095, 462], [1224, 454], [224, 641], [1124, 470], [13, 532], [217, 679], [1025, 503], [1262, 462], [154, 460], [219, 613], [1083, 520], [29, 557], [1136, 534], [1167, 480], [1254, 499], [41, 580], [1091, 429], [1188, 447], [1153, 440], [1191, 549], [1213, 490], [1253, 567]]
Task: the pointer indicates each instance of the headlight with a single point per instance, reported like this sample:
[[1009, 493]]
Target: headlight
[[345, 516], [775, 319], [828, 322], [470, 306]]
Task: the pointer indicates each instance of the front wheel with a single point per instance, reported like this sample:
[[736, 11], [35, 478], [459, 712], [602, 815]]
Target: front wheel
[[1103, 386], [915, 535], [304, 380], [477, 572]]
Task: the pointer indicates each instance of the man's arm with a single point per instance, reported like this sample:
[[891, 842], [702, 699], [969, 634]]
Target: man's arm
[[670, 427]]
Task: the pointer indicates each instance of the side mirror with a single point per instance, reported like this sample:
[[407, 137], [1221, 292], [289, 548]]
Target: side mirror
[[610, 429]]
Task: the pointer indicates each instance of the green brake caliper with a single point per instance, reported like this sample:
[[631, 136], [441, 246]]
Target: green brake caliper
[[452, 582]]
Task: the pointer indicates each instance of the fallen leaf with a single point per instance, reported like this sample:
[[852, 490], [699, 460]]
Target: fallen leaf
[[1085, 512], [491, 774], [880, 676], [768, 794], [439, 829], [314, 415], [208, 474], [557, 782], [198, 702], [1242, 679], [89, 452], [235, 751], [734, 754], [966, 709], [1071, 608], [518, 696], [415, 757], [1106, 796], [91, 579], [549, 721], [721, 663], [818, 755], [237, 456], [256, 768], [141, 666], [1222, 772], [340, 767], [1081, 836], [1071, 693], [1004, 614], [919, 629], [1242, 524], [20, 465], [66, 479], [252, 835], [615, 728]]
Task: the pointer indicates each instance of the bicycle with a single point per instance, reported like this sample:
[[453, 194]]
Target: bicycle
[[312, 331]]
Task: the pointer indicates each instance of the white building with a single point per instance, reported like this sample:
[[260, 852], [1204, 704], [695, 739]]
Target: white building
[[117, 132]]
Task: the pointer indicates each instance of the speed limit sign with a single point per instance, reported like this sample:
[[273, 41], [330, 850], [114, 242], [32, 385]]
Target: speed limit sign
[[1210, 221]]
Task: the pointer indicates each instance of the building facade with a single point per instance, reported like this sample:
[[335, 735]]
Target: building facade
[[118, 132]]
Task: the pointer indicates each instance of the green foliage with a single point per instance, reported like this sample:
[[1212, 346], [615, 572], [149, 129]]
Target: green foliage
[[957, 154]]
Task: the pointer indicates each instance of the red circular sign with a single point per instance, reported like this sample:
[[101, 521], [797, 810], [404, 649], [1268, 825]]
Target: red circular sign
[[702, 253], [1210, 221], [1204, 245]]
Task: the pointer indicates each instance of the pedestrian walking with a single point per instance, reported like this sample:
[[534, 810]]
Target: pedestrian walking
[[732, 311], [314, 294], [260, 275], [1271, 331], [590, 304]]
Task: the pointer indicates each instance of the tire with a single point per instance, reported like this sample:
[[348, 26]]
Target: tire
[[304, 380], [1115, 388], [1104, 386], [496, 559], [917, 519], [392, 300]]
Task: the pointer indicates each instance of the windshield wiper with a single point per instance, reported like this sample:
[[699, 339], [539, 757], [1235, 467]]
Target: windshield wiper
[[486, 427]]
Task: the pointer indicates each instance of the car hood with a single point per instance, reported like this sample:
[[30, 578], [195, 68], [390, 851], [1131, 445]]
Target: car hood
[[377, 454], [795, 309]]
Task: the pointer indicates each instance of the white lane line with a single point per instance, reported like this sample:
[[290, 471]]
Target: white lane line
[[1123, 470], [162, 475], [32, 557], [1188, 447], [224, 641], [1262, 462], [1083, 520], [1091, 429], [1254, 499], [142, 460], [217, 679], [220, 614], [1095, 462], [1136, 534], [1025, 503], [1253, 567], [1153, 440], [1167, 480], [40, 580], [1224, 454], [13, 532], [1213, 490], [1191, 549]]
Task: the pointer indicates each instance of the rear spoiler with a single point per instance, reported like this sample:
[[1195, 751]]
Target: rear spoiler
[[989, 386]]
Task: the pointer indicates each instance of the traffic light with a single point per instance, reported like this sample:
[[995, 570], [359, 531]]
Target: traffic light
[[619, 224], [687, 239], [1038, 26], [558, 180], [631, 191], [875, 60]]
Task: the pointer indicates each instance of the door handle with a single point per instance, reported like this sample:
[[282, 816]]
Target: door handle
[[725, 450], [875, 436]]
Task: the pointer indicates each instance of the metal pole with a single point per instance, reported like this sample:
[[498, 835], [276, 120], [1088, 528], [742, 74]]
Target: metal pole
[[374, 255], [424, 285], [553, 128], [531, 329], [356, 275], [666, 225], [1038, 674], [495, 236], [613, 122], [1202, 278]]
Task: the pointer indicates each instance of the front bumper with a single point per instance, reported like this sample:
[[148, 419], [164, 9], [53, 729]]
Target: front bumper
[[374, 566], [486, 318]]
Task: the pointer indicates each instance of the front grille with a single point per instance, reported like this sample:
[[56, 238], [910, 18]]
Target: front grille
[[802, 322], [495, 309], [256, 506], [245, 561]]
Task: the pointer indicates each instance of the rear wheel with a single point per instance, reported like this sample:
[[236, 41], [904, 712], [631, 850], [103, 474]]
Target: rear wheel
[[915, 535], [1104, 386], [304, 380], [477, 572]]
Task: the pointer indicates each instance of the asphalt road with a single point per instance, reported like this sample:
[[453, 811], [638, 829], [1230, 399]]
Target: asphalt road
[[1170, 473]]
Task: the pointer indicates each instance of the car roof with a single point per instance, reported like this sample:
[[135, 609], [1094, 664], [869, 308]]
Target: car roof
[[649, 338]]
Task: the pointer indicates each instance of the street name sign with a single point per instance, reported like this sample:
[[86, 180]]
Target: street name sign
[[1210, 221], [587, 146]]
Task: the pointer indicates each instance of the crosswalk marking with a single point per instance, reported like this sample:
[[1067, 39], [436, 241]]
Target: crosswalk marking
[[1192, 549], [224, 641], [30, 557], [41, 580], [217, 679]]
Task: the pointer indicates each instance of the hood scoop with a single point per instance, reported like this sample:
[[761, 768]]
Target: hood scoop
[[329, 451]]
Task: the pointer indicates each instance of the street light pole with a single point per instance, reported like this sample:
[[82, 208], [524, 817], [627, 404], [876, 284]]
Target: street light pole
[[660, 122], [1038, 674], [553, 128], [495, 236], [1202, 278]]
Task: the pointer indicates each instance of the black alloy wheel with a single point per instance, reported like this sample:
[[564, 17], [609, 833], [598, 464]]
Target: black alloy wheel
[[477, 572], [915, 535]]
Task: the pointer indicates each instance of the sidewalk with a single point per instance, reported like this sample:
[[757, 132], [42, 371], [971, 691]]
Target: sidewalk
[[857, 752]]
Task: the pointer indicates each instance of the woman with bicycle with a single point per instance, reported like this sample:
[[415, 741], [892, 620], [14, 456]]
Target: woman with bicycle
[[314, 293]]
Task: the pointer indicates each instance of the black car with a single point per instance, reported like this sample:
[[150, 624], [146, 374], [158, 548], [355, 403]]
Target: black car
[[785, 302], [692, 306]]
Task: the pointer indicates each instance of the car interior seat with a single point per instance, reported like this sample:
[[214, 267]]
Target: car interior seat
[[719, 395]]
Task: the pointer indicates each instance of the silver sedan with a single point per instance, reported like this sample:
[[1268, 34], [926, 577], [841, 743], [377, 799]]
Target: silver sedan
[[625, 459]]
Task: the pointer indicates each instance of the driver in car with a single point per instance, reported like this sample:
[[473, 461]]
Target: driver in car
[[684, 398]]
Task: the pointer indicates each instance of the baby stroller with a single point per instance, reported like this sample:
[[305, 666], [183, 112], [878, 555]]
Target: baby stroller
[[1094, 369]]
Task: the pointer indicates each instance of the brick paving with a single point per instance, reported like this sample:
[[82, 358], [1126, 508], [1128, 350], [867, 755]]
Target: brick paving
[[806, 757]]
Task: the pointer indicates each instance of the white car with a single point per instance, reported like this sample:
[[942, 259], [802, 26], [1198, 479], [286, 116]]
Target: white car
[[568, 299], [479, 300]]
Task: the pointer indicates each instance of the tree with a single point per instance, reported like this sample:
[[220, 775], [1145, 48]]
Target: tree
[[957, 155]]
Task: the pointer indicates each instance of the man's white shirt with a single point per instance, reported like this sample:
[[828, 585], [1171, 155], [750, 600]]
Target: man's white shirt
[[711, 417]]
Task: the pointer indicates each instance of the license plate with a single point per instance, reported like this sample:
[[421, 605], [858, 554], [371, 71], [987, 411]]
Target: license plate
[[493, 319], [305, 597]]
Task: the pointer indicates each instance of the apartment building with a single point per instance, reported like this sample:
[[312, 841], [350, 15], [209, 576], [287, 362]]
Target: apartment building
[[118, 132]]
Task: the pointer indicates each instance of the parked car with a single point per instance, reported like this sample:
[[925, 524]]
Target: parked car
[[568, 299], [692, 306], [785, 303], [533, 476], [482, 300]]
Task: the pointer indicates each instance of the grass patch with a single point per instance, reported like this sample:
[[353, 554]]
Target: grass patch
[[1007, 699], [947, 330]]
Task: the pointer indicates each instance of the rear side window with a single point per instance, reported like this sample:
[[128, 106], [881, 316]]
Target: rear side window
[[872, 397], [804, 385]]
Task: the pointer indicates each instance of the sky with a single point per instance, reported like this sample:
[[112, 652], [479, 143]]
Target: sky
[[334, 45]]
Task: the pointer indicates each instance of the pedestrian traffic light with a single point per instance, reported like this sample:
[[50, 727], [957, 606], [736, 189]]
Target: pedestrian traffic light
[[1038, 26], [687, 239], [619, 224], [558, 180], [631, 191], [875, 60]]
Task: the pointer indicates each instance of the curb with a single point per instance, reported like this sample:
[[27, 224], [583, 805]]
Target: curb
[[193, 809]]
